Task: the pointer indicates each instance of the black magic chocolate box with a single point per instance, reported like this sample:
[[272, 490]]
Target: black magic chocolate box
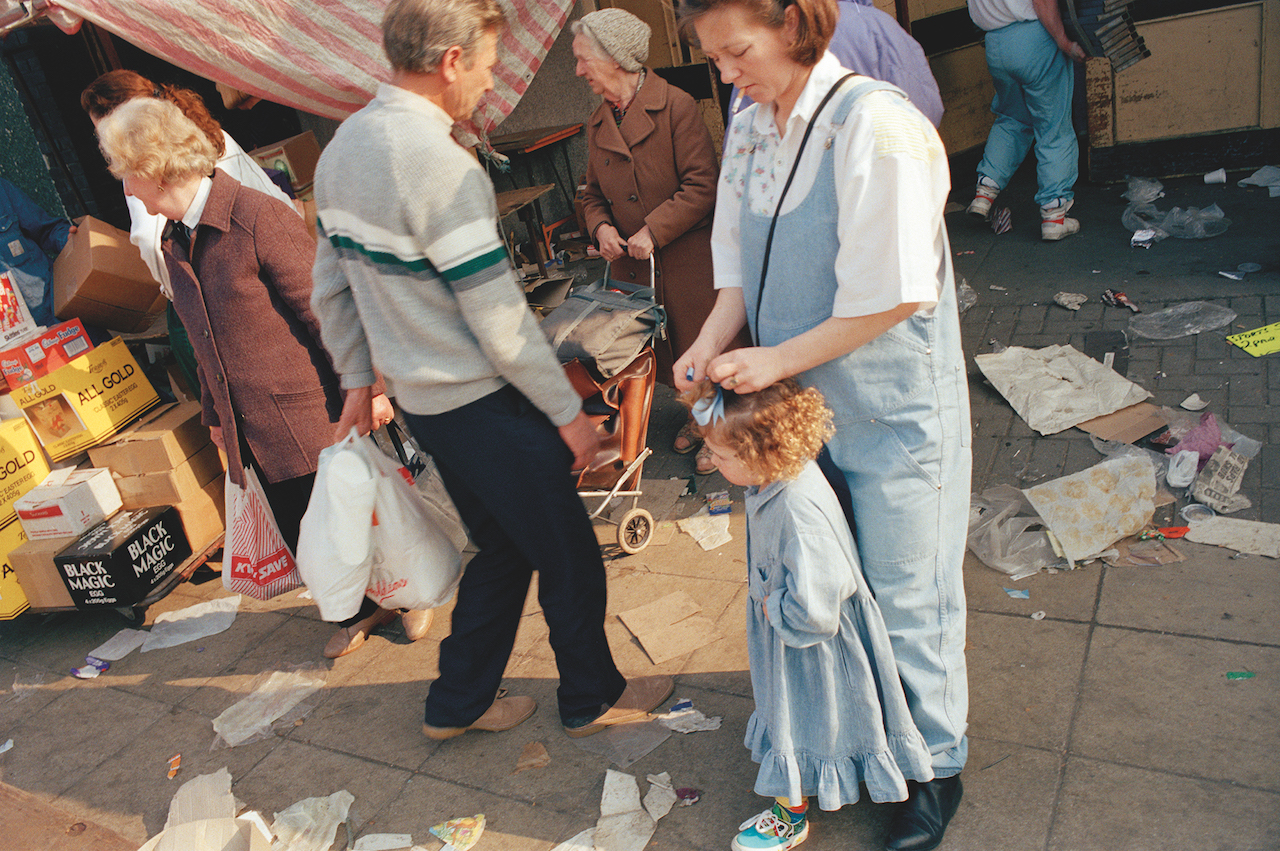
[[122, 559]]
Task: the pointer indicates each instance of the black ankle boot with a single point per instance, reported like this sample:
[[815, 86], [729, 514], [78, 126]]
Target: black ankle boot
[[922, 819]]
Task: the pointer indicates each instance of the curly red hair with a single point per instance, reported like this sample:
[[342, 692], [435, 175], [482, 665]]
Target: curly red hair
[[116, 87], [774, 431]]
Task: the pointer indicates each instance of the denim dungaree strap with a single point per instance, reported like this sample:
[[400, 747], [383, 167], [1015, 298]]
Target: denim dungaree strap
[[902, 436]]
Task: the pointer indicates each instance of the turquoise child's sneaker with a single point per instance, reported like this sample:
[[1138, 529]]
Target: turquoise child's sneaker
[[775, 829]]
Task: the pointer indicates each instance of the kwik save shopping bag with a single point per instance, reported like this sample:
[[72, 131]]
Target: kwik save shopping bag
[[257, 561]]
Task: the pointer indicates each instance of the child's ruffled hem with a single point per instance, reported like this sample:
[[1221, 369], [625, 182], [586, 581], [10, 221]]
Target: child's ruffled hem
[[835, 782]]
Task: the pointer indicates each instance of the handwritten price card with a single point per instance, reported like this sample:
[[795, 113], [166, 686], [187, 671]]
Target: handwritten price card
[[1259, 341]]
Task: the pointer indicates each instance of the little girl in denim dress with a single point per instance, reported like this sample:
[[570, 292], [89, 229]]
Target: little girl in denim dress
[[830, 711]]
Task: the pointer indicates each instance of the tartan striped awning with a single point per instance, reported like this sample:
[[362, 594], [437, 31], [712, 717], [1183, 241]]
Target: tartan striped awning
[[320, 56]]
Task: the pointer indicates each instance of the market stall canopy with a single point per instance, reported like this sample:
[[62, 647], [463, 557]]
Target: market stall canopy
[[319, 56]]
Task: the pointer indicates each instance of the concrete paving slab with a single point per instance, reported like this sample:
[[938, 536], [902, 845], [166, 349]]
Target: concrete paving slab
[[1009, 793], [172, 674], [73, 735], [130, 792], [1029, 673], [510, 825], [1064, 595], [1164, 702], [294, 771], [295, 642], [1104, 806], [382, 705], [1210, 594]]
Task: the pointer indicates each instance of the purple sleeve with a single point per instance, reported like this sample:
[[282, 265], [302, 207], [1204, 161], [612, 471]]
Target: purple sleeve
[[872, 43]]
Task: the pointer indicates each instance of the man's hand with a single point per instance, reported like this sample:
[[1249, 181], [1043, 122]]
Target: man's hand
[[612, 245], [581, 438], [357, 413], [381, 411]]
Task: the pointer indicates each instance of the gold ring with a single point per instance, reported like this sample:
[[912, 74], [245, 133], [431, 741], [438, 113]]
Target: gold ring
[[733, 381]]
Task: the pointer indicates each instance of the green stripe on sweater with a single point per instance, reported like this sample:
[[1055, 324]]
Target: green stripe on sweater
[[420, 265]]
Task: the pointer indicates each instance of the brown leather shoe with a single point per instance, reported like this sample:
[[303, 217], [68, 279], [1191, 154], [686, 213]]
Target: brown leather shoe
[[642, 696], [416, 622], [505, 713], [349, 639]]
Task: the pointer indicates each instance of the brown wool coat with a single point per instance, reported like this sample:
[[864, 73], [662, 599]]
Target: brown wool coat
[[659, 169], [245, 300]]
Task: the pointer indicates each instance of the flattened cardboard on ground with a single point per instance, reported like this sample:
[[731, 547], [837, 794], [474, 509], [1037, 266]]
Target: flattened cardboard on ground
[[1091, 510], [669, 627], [1244, 536], [155, 443], [1130, 552], [171, 487], [1127, 425]]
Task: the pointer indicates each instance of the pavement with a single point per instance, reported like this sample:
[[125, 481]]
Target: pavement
[[1110, 723]]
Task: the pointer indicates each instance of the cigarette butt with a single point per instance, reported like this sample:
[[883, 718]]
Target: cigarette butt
[[175, 762]]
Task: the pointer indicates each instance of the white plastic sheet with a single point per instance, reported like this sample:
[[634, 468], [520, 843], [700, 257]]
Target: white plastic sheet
[[274, 693], [312, 823], [194, 622]]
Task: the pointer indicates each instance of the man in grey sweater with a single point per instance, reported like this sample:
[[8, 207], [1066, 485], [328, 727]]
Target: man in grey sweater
[[413, 281]]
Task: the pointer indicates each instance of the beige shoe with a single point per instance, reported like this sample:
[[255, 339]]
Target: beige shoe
[[351, 638], [505, 713], [642, 696], [416, 622]]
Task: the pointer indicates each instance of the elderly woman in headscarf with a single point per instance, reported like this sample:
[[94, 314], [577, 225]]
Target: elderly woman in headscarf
[[651, 184]]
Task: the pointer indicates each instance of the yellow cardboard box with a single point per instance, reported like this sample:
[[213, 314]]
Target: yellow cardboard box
[[22, 465], [12, 601], [89, 399]]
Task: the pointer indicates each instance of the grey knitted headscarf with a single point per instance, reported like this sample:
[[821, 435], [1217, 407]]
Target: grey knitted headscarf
[[622, 36]]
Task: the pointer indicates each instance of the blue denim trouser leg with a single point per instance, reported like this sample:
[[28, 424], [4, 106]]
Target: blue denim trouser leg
[[507, 469], [1034, 82]]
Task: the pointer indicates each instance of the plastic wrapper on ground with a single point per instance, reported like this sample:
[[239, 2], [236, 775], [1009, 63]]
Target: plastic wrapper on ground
[[1003, 533]]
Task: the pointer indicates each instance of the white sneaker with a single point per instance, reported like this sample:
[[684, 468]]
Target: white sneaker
[[1054, 224], [983, 196]]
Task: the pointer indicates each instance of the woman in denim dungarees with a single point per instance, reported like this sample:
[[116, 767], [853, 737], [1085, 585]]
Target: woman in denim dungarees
[[858, 301]]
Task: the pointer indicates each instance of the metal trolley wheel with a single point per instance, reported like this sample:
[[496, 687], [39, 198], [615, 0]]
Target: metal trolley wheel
[[634, 530]]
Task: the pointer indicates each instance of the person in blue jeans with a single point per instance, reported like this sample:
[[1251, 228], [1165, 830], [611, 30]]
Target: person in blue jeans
[[28, 236], [829, 245], [1030, 58], [819, 650]]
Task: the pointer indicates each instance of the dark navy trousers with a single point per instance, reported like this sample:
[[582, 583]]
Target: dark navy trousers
[[507, 469]]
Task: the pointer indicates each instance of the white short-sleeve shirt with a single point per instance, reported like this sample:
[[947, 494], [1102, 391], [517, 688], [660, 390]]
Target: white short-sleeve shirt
[[892, 180]]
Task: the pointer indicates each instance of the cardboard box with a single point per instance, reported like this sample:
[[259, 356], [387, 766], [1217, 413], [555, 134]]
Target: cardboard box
[[22, 464], [204, 514], [67, 503], [15, 320], [156, 443], [121, 560], [93, 397], [296, 157], [39, 577], [13, 599], [172, 486], [43, 353], [100, 278]]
